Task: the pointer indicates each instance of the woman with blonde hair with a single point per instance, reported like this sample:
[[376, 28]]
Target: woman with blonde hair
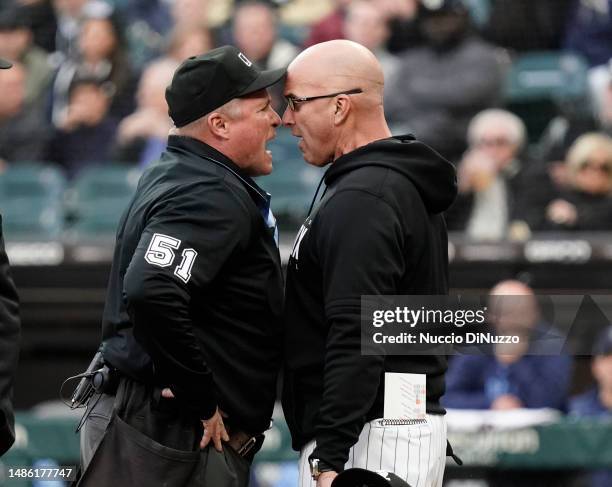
[[587, 202]]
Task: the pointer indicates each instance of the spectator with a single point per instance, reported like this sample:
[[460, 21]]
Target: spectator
[[68, 14], [142, 136], [574, 121], [88, 129], [255, 34], [501, 193], [23, 131], [586, 202], [187, 14], [154, 14], [527, 25], [589, 30], [43, 22], [16, 43], [147, 22], [402, 21], [512, 377], [366, 24], [102, 55], [188, 42], [597, 402], [329, 27], [441, 85]]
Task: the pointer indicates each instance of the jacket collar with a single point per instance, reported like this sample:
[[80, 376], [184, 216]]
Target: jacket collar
[[213, 156]]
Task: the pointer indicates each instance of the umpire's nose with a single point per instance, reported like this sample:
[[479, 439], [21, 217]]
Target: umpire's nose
[[276, 120]]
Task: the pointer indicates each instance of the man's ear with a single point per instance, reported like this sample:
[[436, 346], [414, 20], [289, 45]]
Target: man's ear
[[218, 124], [343, 107]]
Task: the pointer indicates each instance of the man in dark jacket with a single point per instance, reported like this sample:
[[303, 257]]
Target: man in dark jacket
[[377, 230], [192, 318], [9, 340], [9, 348]]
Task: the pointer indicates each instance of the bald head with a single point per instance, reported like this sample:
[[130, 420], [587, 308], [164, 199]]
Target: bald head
[[337, 93], [513, 305], [511, 288], [340, 65]]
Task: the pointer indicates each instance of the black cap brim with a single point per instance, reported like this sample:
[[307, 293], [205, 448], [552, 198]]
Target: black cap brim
[[264, 80], [357, 477], [4, 64]]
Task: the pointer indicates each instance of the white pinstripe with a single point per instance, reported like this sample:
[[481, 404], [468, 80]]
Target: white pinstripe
[[416, 453]]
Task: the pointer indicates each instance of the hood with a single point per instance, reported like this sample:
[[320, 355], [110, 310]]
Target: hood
[[434, 177]]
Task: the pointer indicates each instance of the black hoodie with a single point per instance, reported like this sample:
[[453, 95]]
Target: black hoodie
[[378, 229]]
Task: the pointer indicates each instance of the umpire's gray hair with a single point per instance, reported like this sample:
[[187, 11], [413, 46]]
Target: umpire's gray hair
[[512, 125]]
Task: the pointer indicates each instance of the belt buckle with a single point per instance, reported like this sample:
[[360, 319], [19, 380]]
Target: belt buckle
[[247, 447]]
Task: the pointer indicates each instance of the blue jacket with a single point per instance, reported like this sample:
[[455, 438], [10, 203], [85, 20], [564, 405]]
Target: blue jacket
[[475, 381]]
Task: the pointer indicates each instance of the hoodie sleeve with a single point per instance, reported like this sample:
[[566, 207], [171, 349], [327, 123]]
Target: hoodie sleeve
[[361, 252]]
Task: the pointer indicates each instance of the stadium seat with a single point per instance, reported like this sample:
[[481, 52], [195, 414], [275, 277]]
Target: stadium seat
[[98, 197], [539, 82], [31, 201]]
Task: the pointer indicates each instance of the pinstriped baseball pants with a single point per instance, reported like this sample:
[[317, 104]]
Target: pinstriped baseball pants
[[416, 453]]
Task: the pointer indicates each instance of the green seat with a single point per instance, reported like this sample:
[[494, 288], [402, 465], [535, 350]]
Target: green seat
[[539, 82], [98, 198], [31, 201]]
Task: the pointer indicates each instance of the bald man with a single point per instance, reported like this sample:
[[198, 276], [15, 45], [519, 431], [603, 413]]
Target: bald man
[[530, 374], [377, 229]]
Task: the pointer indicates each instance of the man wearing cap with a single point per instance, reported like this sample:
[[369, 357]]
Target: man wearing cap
[[191, 327], [9, 340]]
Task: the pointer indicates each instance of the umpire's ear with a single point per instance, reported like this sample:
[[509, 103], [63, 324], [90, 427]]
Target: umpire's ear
[[218, 125]]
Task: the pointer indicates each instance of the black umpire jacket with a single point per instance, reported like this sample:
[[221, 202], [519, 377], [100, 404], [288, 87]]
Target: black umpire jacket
[[9, 348], [195, 294]]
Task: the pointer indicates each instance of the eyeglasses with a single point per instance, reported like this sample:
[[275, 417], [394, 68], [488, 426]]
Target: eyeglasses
[[593, 166], [294, 101], [492, 142]]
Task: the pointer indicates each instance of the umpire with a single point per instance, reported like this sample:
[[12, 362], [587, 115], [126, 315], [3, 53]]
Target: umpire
[[191, 327]]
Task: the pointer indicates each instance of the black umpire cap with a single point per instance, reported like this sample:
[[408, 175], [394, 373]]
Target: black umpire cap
[[203, 83], [359, 477]]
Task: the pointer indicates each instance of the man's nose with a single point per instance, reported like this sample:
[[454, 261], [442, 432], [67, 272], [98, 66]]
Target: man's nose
[[288, 117]]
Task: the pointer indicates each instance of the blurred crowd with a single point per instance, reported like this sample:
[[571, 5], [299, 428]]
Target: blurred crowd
[[89, 80], [546, 368]]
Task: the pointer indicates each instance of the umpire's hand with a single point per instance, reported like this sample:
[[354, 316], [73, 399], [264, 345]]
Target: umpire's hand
[[214, 429]]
